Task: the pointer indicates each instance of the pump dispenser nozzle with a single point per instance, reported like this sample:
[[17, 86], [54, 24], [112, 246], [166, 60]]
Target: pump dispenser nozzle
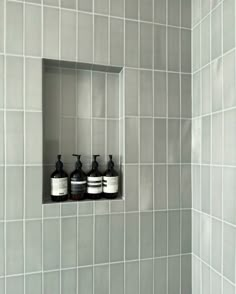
[[95, 164], [110, 163], [59, 164], [78, 163]]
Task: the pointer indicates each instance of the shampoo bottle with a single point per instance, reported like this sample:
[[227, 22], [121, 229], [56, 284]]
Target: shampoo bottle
[[78, 181], [110, 181], [59, 182], [94, 181]]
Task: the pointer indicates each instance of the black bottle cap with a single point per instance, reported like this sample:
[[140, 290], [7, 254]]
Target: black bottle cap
[[78, 164], [95, 164], [110, 163], [59, 164]]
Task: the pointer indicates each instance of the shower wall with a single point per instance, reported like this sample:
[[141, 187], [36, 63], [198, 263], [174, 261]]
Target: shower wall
[[141, 244], [213, 147]]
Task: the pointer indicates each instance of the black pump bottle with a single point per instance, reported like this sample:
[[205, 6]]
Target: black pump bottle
[[94, 181], [78, 181], [59, 182], [110, 181]]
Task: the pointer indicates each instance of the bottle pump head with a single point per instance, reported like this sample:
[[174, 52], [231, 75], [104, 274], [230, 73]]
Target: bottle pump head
[[95, 164], [59, 164], [78, 163], [110, 163]]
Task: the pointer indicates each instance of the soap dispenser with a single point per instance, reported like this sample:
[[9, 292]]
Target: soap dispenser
[[110, 181], [78, 181], [94, 181], [59, 182]]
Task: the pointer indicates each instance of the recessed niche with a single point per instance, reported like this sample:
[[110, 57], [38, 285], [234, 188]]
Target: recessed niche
[[82, 114]]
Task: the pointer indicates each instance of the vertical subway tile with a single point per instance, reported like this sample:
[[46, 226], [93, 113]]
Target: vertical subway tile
[[84, 146], [146, 93], [160, 275], [98, 95], [205, 188], [131, 188], [113, 84], [146, 10], [229, 201], [216, 282], [68, 92], [85, 37], [228, 25], [69, 281], [15, 199], [67, 135], [205, 8], [85, 275], [216, 32], [229, 137], [131, 140], [186, 274], [132, 277], [85, 240], [33, 21], [173, 49], [146, 135], [217, 131], [14, 82], [117, 8], [146, 47], [14, 129], [131, 43], [229, 89], [84, 81], [229, 243], [206, 135], [102, 239], [113, 139], [33, 138], [101, 6], [51, 282], [15, 284], [173, 187], [131, 92], [174, 141], [33, 246], [116, 41], [146, 187], [14, 254], [98, 137], [101, 277], [51, 239], [160, 141], [117, 237], [216, 180], [185, 51], [205, 237], [101, 39], [216, 244], [146, 272], [196, 48], [186, 230], [68, 242], [173, 95], [33, 84], [14, 27], [160, 187], [2, 191], [205, 41], [117, 278], [217, 84], [2, 79], [186, 186], [161, 233], [186, 141], [173, 275], [71, 4], [160, 47], [2, 124], [205, 91], [131, 236], [131, 9], [173, 232], [146, 235], [196, 95], [186, 101], [33, 283], [51, 32], [2, 26], [51, 2], [160, 95], [2, 251], [85, 5], [186, 13], [160, 11], [68, 35], [174, 12]]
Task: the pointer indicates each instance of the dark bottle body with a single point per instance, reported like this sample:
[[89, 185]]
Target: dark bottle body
[[59, 183], [78, 182], [110, 181], [94, 182]]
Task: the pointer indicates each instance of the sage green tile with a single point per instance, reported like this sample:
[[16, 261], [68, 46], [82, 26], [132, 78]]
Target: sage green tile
[[228, 25], [85, 240], [131, 236], [33, 283], [117, 278], [85, 277], [146, 235], [101, 279], [132, 277], [160, 275], [69, 281], [146, 272], [116, 237], [52, 282], [101, 239]]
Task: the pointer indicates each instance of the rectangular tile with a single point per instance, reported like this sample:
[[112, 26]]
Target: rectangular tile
[[131, 43], [229, 137], [131, 187], [229, 201], [101, 6], [131, 92], [229, 88], [117, 8], [146, 140], [173, 232], [160, 94], [160, 187], [186, 230], [15, 284], [102, 237], [131, 140], [173, 95], [146, 10], [160, 233], [131, 236], [174, 187], [51, 33], [160, 141], [160, 275], [216, 32], [146, 235], [85, 240], [205, 237], [173, 49], [173, 275], [174, 141], [117, 237], [116, 41], [69, 281], [186, 140], [228, 25], [186, 274], [186, 101], [216, 244], [68, 34], [101, 40], [85, 5], [33, 30], [14, 28], [146, 93], [146, 45], [160, 54], [185, 50], [85, 276], [131, 9], [117, 278], [98, 138], [52, 282], [33, 283], [101, 276], [98, 94], [1, 26], [71, 4], [229, 241], [205, 41], [146, 187], [2, 79], [68, 242], [174, 12], [146, 272]]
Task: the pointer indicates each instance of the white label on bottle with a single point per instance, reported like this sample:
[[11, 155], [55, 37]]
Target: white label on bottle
[[59, 186], [110, 184], [94, 185]]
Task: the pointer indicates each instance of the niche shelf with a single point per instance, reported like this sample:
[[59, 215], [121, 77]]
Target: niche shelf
[[83, 114]]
